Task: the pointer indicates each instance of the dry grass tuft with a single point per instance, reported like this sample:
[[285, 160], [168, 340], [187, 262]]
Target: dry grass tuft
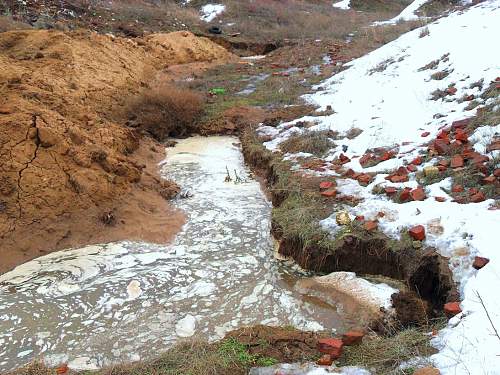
[[384, 354], [316, 143], [166, 111]]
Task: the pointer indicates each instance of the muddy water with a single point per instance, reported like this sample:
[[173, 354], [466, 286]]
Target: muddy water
[[127, 301]]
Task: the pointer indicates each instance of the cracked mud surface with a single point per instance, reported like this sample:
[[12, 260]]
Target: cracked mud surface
[[66, 158]]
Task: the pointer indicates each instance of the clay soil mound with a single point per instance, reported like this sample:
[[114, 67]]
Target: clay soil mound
[[71, 173]]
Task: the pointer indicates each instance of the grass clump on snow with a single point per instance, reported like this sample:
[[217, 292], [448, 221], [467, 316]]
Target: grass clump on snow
[[384, 354], [316, 143]]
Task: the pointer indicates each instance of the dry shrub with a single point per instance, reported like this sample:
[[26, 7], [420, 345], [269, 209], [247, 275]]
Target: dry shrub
[[166, 110]]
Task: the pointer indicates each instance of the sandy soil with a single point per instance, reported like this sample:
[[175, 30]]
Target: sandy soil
[[71, 173]]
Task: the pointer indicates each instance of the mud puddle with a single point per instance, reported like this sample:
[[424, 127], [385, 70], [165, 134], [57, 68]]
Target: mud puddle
[[127, 301]]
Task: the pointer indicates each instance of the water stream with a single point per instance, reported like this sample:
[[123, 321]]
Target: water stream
[[127, 301]]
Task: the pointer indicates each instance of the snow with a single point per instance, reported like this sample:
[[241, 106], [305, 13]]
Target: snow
[[386, 94], [210, 11], [344, 4]]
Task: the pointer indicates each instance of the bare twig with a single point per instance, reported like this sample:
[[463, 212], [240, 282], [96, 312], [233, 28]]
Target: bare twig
[[488, 315]]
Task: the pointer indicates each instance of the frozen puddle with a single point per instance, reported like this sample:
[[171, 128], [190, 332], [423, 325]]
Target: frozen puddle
[[128, 301]]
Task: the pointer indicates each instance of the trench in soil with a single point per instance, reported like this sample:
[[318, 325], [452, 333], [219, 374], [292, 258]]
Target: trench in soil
[[126, 301]]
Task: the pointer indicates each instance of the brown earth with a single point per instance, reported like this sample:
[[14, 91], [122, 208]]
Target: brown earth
[[286, 345], [70, 172]]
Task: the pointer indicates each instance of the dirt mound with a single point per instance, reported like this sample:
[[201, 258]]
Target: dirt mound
[[286, 345], [71, 173]]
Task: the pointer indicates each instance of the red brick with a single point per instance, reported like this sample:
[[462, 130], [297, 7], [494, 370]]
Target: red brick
[[444, 162], [441, 146], [405, 195], [418, 194], [387, 155], [398, 178], [417, 232], [478, 197], [389, 190], [411, 168], [365, 159], [489, 180], [457, 161], [371, 225], [333, 347], [325, 360], [457, 188], [329, 193], [460, 124], [462, 136], [480, 262], [364, 178], [496, 172], [326, 185], [352, 338], [452, 308], [359, 218], [451, 90], [417, 161], [344, 159], [402, 171]]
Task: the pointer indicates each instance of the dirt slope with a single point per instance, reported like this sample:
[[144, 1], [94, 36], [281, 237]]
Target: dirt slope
[[70, 172]]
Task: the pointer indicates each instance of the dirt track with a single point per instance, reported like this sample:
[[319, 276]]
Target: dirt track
[[71, 172]]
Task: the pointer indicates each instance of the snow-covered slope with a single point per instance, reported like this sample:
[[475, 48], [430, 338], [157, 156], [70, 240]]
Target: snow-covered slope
[[387, 95]]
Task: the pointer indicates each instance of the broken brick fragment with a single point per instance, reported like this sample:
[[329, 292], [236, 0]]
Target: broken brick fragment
[[452, 90], [359, 218], [364, 178], [452, 308], [371, 225], [478, 197], [457, 161], [325, 360], [352, 338], [441, 146], [417, 161], [489, 180], [460, 124], [344, 159], [331, 193], [411, 168], [389, 190], [461, 136], [457, 188], [417, 232], [332, 347], [365, 159], [418, 194], [325, 185], [480, 262], [387, 155]]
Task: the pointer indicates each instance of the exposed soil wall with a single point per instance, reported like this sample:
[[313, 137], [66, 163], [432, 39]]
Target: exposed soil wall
[[71, 172]]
